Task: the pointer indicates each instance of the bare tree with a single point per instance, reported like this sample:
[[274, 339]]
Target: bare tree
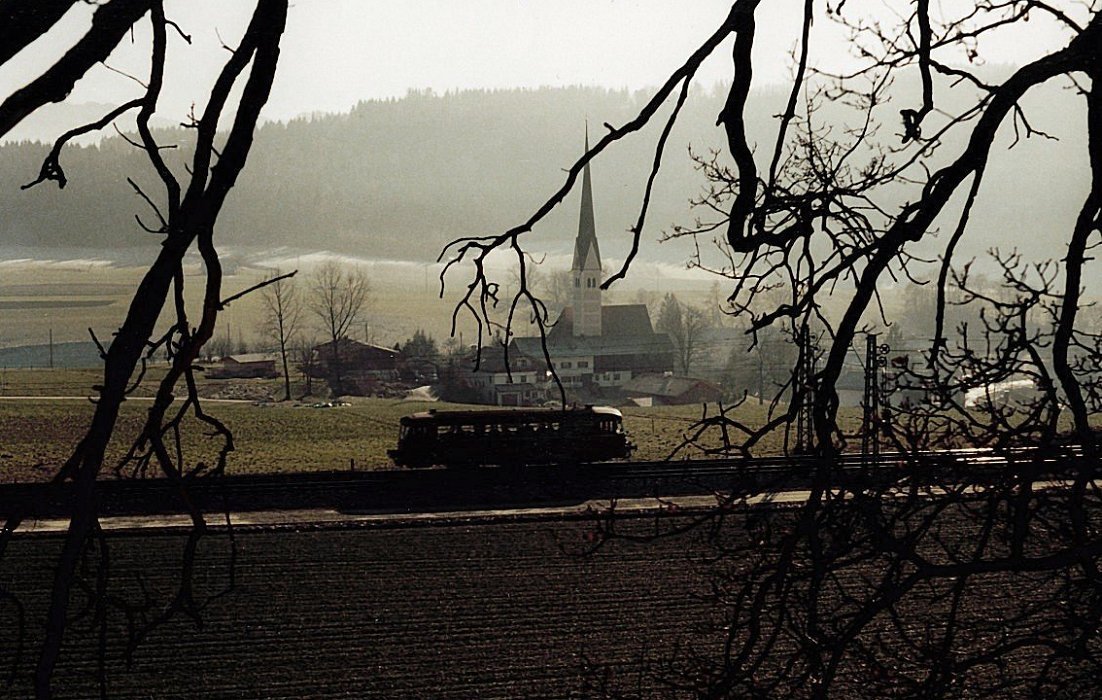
[[185, 214], [306, 355], [559, 290], [219, 346], [886, 577], [684, 324], [282, 314], [337, 297]]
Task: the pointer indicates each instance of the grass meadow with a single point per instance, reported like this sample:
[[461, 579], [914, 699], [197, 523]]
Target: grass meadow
[[66, 299], [37, 434]]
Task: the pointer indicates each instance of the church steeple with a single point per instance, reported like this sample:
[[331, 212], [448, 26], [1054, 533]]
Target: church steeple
[[586, 268], [587, 227]]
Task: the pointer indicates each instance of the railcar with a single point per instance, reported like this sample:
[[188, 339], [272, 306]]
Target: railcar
[[511, 437]]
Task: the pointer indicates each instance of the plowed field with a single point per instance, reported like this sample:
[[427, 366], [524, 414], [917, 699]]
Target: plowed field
[[490, 611], [508, 609]]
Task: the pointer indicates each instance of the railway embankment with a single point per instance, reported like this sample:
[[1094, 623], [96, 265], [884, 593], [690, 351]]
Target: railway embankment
[[504, 487]]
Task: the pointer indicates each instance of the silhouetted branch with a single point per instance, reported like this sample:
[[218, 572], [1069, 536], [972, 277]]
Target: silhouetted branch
[[112, 20], [51, 166], [260, 285]]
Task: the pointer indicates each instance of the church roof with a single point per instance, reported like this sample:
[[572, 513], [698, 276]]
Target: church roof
[[651, 346], [587, 228], [617, 321]]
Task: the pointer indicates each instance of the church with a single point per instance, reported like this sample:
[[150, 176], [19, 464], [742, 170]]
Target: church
[[596, 348]]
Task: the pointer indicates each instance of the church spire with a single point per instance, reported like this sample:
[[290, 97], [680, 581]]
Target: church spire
[[586, 269], [587, 227]]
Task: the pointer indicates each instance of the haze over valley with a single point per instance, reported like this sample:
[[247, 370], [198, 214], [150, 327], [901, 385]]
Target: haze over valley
[[397, 179], [389, 183]]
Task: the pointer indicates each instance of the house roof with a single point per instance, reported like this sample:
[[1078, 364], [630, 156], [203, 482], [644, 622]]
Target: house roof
[[246, 358], [583, 346], [659, 385], [617, 321], [349, 344], [492, 359]]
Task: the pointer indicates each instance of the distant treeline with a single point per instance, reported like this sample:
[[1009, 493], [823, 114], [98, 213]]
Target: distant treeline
[[398, 178], [393, 178]]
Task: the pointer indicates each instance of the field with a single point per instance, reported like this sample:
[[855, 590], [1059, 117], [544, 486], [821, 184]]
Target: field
[[64, 299], [489, 611], [36, 435], [69, 297], [483, 610]]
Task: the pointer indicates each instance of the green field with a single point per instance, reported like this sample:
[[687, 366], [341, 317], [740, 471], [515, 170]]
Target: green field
[[37, 435]]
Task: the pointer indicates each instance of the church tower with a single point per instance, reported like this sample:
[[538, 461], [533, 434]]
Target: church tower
[[586, 269]]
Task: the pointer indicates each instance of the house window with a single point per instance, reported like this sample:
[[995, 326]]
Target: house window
[[616, 377], [566, 365], [583, 363], [577, 282]]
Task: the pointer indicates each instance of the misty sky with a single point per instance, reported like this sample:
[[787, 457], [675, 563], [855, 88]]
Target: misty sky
[[337, 52]]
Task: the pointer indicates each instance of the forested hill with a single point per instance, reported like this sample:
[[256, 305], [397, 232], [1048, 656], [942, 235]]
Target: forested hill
[[395, 178], [399, 178]]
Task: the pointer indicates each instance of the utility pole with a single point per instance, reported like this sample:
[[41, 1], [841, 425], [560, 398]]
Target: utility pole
[[803, 392], [51, 348], [761, 376], [876, 358]]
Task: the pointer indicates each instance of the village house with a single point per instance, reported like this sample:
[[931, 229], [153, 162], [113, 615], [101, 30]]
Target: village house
[[244, 366], [594, 348], [524, 385], [362, 367], [627, 347], [666, 390]]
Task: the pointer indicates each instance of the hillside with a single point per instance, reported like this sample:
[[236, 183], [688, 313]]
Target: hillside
[[399, 178]]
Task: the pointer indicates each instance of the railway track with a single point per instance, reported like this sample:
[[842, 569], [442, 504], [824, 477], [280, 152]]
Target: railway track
[[930, 463], [507, 486]]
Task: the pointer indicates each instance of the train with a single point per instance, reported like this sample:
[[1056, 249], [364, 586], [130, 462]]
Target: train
[[529, 436]]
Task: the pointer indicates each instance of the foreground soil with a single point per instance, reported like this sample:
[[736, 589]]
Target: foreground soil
[[473, 611], [505, 608]]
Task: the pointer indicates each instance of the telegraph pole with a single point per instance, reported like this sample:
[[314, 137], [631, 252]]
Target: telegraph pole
[[803, 393], [876, 358]]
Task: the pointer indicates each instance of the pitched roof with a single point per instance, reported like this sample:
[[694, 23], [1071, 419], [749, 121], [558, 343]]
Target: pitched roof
[[659, 385], [585, 346], [587, 227], [350, 345], [244, 358], [617, 321], [492, 359]]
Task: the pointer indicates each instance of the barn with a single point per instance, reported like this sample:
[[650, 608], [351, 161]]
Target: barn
[[245, 366], [665, 390], [363, 368]]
